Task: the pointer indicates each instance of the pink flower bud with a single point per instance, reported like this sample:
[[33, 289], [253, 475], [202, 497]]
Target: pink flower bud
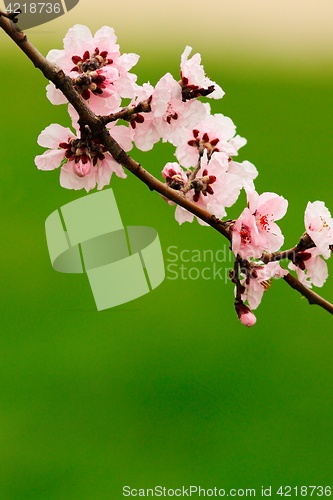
[[245, 315]]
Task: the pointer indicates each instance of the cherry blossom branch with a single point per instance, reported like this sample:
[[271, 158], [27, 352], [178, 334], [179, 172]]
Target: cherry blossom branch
[[243, 312], [87, 117], [304, 244], [235, 279], [12, 15], [310, 295], [192, 175], [97, 128]]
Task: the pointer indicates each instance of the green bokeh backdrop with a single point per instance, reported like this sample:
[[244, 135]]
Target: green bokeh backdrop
[[168, 389]]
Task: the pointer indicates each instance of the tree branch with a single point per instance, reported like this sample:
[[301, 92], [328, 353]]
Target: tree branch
[[99, 131], [128, 113], [310, 295]]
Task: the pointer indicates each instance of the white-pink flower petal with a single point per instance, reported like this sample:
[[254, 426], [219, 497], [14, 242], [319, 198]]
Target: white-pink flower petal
[[319, 226]]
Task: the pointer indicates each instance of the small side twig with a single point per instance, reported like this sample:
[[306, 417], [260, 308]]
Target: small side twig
[[128, 113]]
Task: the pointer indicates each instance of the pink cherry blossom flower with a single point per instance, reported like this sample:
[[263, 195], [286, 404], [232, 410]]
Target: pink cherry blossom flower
[[246, 241], [259, 281], [246, 171], [215, 133], [319, 226], [142, 128], [267, 208], [311, 269], [99, 72], [171, 114], [194, 79], [255, 230], [213, 189], [84, 163], [168, 115], [174, 175]]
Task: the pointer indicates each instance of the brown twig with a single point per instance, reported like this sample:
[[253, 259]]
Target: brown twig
[[304, 243], [310, 295], [191, 176], [97, 127], [128, 113]]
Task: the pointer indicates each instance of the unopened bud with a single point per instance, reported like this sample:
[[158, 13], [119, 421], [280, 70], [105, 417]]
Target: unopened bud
[[244, 313]]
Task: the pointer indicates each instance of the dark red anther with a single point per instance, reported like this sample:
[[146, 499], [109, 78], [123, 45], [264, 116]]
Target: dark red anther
[[95, 161], [104, 53], [97, 51], [99, 79], [195, 133], [300, 258], [169, 119], [139, 118], [196, 196], [85, 94], [254, 274], [110, 61], [175, 116], [76, 59], [184, 79], [209, 90], [304, 255], [133, 124], [205, 172], [84, 158], [209, 189], [68, 153], [205, 137], [75, 68], [64, 145], [100, 156], [86, 55], [212, 179], [172, 172], [192, 143], [214, 142]]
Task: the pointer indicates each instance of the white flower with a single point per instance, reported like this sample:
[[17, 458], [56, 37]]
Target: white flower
[[319, 226]]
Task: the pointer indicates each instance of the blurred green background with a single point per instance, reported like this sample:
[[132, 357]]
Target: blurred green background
[[168, 389]]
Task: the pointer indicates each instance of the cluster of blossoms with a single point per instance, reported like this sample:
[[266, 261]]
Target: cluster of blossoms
[[310, 267], [206, 144]]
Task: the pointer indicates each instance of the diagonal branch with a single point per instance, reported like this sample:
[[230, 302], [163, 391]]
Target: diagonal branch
[[310, 295], [97, 127]]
